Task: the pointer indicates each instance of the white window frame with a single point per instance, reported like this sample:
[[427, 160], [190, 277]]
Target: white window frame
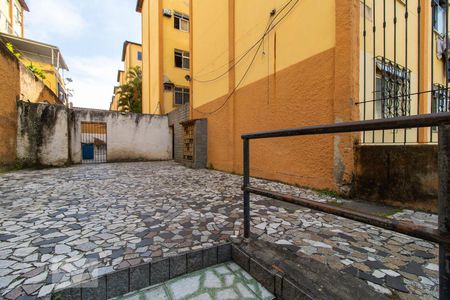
[[182, 19], [183, 91], [185, 59]]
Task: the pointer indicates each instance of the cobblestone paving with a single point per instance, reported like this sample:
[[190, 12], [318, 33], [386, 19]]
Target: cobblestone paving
[[62, 226], [226, 281]]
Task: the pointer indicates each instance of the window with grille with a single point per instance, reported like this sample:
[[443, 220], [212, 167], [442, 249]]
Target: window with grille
[[393, 90], [181, 95], [181, 21], [182, 59], [439, 16]]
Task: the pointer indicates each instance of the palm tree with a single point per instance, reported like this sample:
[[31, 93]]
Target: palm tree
[[130, 93]]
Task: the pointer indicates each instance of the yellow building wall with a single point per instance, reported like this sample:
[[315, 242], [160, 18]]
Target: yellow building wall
[[304, 73], [146, 109], [155, 55], [159, 40], [173, 39], [131, 57], [210, 51]]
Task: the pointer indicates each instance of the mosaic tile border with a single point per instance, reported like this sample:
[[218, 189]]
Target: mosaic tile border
[[135, 278], [159, 271]]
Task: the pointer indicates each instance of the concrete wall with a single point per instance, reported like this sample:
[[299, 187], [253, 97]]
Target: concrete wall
[[16, 82], [130, 137], [50, 135], [404, 176], [42, 134]]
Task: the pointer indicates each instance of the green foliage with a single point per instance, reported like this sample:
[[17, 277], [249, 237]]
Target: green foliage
[[36, 71], [130, 94], [328, 193], [11, 49]]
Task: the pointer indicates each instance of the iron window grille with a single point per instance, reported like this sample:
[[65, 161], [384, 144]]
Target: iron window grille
[[393, 89], [181, 95], [182, 59], [181, 22]]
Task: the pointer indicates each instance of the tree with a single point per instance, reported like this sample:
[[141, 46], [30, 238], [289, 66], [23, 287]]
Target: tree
[[130, 93]]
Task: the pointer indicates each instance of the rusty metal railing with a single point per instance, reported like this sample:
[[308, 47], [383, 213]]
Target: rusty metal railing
[[440, 235]]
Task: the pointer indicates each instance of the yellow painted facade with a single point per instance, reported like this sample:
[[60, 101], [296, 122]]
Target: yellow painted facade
[[11, 17], [165, 30], [52, 76], [131, 57], [288, 44]]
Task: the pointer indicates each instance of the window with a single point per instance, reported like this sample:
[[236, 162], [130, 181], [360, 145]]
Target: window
[[139, 55], [181, 95], [393, 90], [182, 59], [439, 103], [181, 21], [439, 16]]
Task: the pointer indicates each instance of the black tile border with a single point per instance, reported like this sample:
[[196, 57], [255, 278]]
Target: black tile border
[[138, 277], [163, 269]]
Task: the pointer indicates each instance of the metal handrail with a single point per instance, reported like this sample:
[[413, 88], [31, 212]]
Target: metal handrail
[[440, 235]]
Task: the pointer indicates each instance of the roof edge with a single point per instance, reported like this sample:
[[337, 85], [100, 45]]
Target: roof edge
[[139, 5], [124, 50]]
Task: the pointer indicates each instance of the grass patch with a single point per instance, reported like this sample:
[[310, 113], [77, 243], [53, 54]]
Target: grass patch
[[328, 193], [391, 213]]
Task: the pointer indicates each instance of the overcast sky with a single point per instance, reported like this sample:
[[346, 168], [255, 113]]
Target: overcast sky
[[90, 34]]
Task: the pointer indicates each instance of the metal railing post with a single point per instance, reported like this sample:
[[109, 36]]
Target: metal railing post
[[246, 192], [444, 209]]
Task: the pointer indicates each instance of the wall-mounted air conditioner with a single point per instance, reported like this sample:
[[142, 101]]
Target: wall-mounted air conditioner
[[167, 12]]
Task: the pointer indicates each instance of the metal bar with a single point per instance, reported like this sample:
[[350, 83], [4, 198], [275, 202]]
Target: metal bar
[[444, 210], [365, 65], [405, 132], [347, 127], [246, 184], [374, 84], [419, 10], [433, 22], [383, 79], [410, 229], [396, 100]]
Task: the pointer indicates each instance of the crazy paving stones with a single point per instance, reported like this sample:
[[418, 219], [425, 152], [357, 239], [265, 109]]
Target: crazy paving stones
[[59, 227]]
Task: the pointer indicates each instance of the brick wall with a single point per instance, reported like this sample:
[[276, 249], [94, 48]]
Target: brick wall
[[175, 118]]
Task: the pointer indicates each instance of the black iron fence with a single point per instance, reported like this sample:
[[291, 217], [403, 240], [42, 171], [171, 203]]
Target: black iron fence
[[405, 65], [440, 235]]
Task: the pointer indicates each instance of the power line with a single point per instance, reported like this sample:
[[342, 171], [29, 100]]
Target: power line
[[267, 31], [252, 61]]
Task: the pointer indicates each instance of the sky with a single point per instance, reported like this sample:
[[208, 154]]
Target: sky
[[90, 35]]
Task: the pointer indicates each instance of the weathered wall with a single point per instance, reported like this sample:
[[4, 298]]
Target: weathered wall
[[130, 137], [404, 176], [42, 134], [9, 92], [175, 118], [32, 89], [16, 82]]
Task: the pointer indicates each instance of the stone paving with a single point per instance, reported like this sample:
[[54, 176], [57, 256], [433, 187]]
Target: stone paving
[[62, 226], [226, 281]]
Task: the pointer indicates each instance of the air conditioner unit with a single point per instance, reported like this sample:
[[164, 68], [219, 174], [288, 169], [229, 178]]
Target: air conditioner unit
[[167, 12]]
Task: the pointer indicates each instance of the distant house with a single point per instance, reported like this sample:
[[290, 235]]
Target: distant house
[[11, 16], [131, 57]]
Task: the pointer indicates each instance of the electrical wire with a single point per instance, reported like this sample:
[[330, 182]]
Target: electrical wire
[[267, 31], [252, 61]]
